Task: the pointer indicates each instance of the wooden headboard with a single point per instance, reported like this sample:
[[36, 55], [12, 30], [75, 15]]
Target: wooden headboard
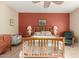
[[43, 28]]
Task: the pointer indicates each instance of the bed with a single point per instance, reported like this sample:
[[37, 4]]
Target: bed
[[43, 44]]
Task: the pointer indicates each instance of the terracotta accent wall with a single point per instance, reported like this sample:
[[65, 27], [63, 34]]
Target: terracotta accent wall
[[59, 19]]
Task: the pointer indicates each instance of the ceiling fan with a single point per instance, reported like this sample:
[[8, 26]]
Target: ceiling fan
[[47, 3]]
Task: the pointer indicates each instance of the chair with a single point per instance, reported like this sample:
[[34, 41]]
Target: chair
[[5, 43], [16, 39], [69, 38]]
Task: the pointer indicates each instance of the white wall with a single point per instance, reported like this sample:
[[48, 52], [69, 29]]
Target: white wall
[[74, 23], [7, 13]]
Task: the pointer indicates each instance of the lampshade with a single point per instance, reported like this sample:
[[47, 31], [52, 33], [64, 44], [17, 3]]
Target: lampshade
[[55, 28], [29, 28]]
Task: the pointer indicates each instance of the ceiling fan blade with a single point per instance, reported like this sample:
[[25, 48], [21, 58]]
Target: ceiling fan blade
[[58, 2], [36, 1], [46, 4]]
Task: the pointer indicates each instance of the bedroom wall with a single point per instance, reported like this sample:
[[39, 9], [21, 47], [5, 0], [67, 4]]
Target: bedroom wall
[[59, 19], [74, 23], [7, 13]]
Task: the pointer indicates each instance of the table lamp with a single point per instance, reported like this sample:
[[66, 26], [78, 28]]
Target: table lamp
[[29, 29], [55, 30]]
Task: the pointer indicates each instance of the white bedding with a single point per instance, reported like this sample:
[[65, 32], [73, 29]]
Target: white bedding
[[43, 33], [44, 36]]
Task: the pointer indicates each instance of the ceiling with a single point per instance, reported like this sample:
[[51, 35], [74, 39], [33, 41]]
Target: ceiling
[[30, 7]]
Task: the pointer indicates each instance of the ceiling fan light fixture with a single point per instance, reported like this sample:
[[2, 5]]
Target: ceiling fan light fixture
[[35, 1], [58, 2], [47, 4]]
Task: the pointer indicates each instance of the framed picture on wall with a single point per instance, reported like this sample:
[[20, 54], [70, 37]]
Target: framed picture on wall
[[11, 22], [42, 22]]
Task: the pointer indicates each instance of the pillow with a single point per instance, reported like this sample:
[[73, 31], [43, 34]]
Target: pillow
[[43, 33], [37, 33], [46, 33]]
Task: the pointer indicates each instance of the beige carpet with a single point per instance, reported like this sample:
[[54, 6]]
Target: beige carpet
[[72, 52], [69, 52]]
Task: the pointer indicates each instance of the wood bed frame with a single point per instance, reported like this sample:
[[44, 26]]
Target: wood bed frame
[[43, 46]]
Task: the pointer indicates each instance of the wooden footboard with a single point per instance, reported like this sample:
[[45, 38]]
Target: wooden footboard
[[43, 47]]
